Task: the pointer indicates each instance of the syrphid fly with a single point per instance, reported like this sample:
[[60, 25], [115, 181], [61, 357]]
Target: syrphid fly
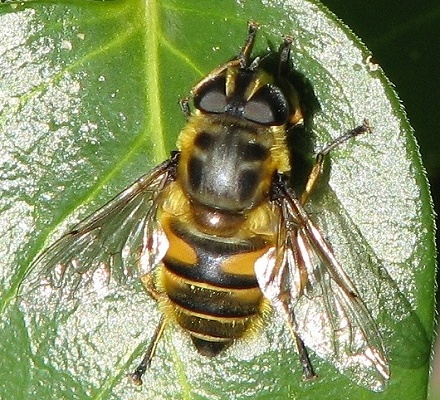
[[218, 235]]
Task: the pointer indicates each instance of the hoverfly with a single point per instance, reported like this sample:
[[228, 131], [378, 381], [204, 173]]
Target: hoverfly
[[219, 233]]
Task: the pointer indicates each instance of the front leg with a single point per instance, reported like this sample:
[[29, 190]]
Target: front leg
[[184, 106], [316, 172]]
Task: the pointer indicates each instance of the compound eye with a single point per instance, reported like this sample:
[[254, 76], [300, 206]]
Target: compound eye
[[267, 107], [211, 98]]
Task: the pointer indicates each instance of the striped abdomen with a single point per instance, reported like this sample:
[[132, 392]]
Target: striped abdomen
[[210, 283]]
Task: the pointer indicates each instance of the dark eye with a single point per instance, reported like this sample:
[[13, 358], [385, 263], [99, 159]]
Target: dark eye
[[268, 107], [211, 98]]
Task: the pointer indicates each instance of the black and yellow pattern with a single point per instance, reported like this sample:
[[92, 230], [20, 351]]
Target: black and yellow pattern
[[216, 214]]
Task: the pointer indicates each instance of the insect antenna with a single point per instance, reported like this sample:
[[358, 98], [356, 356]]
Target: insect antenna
[[284, 66], [246, 51]]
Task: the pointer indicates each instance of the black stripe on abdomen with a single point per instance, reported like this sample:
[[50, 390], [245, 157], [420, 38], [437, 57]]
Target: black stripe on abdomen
[[208, 270], [215, 303]]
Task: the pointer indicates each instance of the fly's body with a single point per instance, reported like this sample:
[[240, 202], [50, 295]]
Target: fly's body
[[223, 238], [224, 177], [213, 284]]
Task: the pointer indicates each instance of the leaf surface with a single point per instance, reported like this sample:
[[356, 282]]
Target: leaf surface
[[88, 104]]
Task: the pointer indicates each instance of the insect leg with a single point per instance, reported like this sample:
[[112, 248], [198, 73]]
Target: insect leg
[[136, 376], [308, 372], [316, 172], [184, 106], [246, 51], [242, 61], [272, 282], [150, 287], [284, 65]]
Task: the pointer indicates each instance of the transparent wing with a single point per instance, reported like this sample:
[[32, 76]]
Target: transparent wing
[[333, 319], [306, 283], [120, 241], [407, 341]]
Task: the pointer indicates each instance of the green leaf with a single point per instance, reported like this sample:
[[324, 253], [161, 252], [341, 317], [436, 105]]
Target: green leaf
[[88, 100]]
